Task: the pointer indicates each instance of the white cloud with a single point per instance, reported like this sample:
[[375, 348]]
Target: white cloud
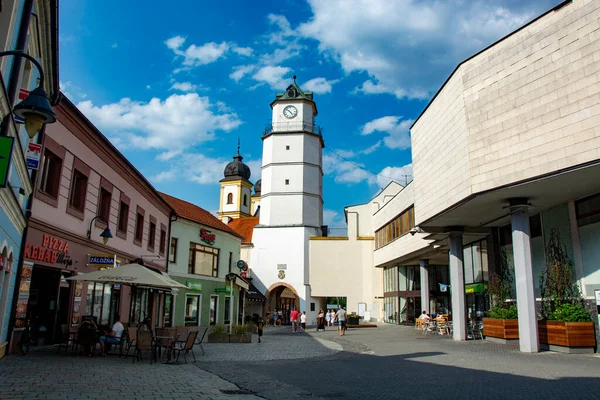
[[172, 125], [336, 222], [401, 175], [242, 51], [407, 48], [398, 136], [148, 87], [194, 55], [72, 91], [184, 86], [114, 45], [274, 76], [240, 71], [319, 85], [344, 171], [175, 42]]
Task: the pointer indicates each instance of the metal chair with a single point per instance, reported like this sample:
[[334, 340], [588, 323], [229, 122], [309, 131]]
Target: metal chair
[[188, 347], [199, 342], [144, 341], [67, 338]]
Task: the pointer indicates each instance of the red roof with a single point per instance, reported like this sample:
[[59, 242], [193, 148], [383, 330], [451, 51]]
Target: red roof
[[194, 213], [244, 227]]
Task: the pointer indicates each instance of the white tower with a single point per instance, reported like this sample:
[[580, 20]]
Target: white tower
[[291, 202]]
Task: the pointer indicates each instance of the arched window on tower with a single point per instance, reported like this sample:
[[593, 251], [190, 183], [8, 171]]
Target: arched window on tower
[[245, 200], [230, 198]]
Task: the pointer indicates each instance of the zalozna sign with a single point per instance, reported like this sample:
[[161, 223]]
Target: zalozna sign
[[102, 261]]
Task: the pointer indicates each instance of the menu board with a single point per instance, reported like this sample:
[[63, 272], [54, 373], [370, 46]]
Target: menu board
[[76, 315], [23, 300]]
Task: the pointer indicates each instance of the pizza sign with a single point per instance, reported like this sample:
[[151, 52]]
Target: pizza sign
[[207, 237]]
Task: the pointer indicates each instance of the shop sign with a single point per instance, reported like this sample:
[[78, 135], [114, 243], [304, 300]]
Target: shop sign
[[226, 290], [241, 264], [53, 251], [207, 237], [32, 157], [102, 261], [475, 288], [194, 285], [6, 145]]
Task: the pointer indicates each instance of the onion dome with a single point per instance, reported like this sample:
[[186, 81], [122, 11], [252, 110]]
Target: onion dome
[[236, 168], [257, 187]]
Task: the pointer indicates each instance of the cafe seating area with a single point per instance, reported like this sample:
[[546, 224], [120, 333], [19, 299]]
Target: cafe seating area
[[442, 325]]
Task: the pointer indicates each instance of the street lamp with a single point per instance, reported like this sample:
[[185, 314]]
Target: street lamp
[[35, 109], [106, 234]]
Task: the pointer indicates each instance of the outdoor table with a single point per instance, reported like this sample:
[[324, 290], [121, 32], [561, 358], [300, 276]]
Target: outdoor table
[[157, 340]]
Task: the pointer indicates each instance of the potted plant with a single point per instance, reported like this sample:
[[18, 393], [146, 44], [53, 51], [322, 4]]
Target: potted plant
[[240, 335], [250, 327], [218, 334], [353, 319], [566, 325], [502, 322]]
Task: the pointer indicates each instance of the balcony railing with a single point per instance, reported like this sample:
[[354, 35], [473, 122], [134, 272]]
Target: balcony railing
[[293, 126]]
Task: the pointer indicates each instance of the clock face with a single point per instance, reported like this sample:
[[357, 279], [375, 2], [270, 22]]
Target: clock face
[[290, 112]]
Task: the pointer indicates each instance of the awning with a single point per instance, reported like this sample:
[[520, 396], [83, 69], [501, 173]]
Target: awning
[[253, 294], [130, 275]]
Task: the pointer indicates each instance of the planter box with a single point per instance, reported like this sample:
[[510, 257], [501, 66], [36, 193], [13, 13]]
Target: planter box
[[562, 336], [218, 338], [353, 321], [505, 329], [244, 338]]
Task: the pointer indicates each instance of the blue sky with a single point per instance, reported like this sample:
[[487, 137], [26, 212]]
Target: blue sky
[[175, 84]]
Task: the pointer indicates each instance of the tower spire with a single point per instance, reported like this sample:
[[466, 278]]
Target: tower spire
[[238, 148], [294, 78]]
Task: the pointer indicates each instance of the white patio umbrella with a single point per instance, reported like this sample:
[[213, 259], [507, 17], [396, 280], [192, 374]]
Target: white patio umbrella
[[130, 275]]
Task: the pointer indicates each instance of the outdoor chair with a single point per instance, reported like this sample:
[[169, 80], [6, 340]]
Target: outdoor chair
[[129, 340], [199, 342], [67, 338], [181, 333], [184, 347], [143, 342], [476, 330], [87, 338]]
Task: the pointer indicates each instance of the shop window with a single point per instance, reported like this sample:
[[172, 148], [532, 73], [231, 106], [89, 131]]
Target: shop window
[[245, 200], [475, 262], [230, 198], [213, 309], [173, 250], [139, 227], [227, 311], [151, 235], [50, 175], [192, 310], [123, 217], [163, 240], [104, 204], [587, 210], [140, 309], [102, 302], [79, 183], [204, 260], [168, 311]]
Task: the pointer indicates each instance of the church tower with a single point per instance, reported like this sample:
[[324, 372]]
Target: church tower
[[236, 190], [291, 202]]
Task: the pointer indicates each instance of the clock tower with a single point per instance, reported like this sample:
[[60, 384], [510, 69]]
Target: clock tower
[[291, 199]]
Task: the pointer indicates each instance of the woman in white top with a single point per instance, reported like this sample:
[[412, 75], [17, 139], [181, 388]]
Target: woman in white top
[[328, 318], [303, 321], [331, 318]]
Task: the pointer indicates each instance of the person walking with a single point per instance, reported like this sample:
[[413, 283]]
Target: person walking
[[331, 317], [340, 316], [275, 316], [294, 319], [259, 328], [303, 321], [328, 318], [321, 321]]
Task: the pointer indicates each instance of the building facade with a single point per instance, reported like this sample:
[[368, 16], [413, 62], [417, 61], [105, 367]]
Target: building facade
[[85, 183], [32, 27], [203, 253]]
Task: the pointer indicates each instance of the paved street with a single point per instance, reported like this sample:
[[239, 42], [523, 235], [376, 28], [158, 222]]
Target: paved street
[[388, 362]]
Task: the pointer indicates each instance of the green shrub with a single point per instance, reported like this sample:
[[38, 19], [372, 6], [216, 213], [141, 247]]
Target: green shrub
[[567, 312], [504, 313], [219, 328], [239, 330]]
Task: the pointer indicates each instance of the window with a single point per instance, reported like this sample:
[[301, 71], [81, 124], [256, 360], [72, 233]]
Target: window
[[104, 204], [213, 309], [588, 210], [151, 234], [139, 227], [50, 176], [168, 311], [123, 217], [173, 250], [140, 309], [287, 181], [192, 310], [227, 315], [245, 200], [204, 260], [287, 147], [230, 198], [102, 302], [163, 240], [395, 228], [312, 306], [475, 262], [230, 260], [78, 191]]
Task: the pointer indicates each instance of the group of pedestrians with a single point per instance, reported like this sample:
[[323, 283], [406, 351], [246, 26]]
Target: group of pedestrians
[[296, 318]]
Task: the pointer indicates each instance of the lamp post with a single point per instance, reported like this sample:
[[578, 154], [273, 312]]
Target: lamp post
[[106, 234], [35, 109]]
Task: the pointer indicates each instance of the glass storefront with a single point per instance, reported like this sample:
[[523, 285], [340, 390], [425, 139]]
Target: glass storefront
[[102, 302]]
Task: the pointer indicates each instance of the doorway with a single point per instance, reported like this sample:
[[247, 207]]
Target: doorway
[[43, 308]]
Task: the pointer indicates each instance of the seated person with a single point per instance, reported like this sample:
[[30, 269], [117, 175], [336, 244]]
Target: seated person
[[112, 337], [424, 318]]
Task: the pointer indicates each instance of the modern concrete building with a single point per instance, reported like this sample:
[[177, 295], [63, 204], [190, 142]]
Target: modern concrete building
[[30, 26]]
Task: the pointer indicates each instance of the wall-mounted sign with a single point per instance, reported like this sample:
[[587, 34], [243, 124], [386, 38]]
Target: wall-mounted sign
[[6, 146], [244, 274], [226, 290], [102, 260], [475, 288], [207, 237], [281, 274], [194, 285], [240, 264], [32, 157], [281, 266], [53, 251]]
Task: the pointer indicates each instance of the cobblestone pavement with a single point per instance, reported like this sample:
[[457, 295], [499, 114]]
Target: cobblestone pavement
[[393, 362], [44, 375]]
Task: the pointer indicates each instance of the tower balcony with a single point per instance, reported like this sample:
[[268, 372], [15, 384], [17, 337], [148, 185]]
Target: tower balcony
[[293, 126]]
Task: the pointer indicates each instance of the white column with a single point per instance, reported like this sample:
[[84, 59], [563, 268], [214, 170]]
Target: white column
[[528, 331], [424, 286], [457, 286]]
